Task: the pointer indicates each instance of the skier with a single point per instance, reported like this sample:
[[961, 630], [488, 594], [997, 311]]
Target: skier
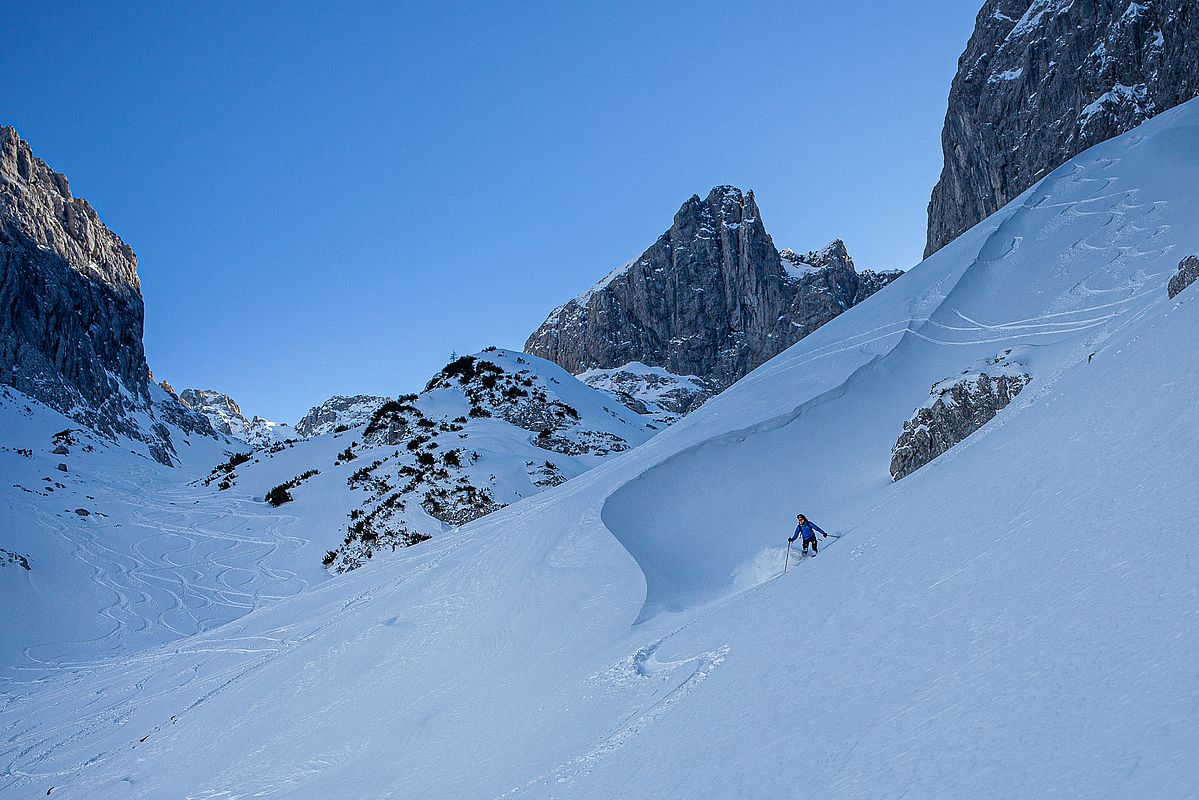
[[808, 531]]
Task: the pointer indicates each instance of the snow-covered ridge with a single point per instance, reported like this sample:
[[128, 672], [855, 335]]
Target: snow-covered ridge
[[488, 430]]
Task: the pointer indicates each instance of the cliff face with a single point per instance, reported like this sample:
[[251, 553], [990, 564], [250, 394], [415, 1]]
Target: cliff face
[[712, 297], [1042, 80], [71, 311]]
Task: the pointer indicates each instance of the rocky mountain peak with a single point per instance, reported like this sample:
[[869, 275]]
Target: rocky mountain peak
[[726, 205], [210, 398], [39, 204], [833, 254], [226, 417], [712, 298]]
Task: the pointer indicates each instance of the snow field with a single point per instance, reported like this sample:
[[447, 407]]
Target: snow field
[[1016, 618]]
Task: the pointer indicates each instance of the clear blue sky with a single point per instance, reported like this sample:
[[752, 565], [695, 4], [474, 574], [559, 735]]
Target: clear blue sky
[[331, 198]]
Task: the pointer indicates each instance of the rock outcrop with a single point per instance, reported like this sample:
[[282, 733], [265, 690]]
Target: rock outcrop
[[1042, 80], [652, 391], [957, 407], [226, 417], [8, 557], [338, 412], [71, 313], [1188, 272], [712, 297]]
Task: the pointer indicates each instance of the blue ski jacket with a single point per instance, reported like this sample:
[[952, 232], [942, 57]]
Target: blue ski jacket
[[808, 530]]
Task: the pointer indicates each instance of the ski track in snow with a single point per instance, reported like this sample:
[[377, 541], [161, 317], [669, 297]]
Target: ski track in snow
[[656, 686], [643, 676], [182, 578], [97, 698], [1102, 316]]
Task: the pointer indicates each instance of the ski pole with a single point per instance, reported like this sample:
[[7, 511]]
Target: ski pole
[[787, 560]]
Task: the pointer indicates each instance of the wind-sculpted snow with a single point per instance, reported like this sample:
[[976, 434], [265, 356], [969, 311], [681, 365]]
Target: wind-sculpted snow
[[1014, 619], [822, 462]]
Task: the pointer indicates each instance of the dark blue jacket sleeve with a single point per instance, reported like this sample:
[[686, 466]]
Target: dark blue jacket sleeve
[[795, 535], [817, 527]]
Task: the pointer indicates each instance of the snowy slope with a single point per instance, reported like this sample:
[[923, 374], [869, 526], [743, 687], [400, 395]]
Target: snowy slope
[[1015, 619], [488, 430], [160, 553], [122, 552]]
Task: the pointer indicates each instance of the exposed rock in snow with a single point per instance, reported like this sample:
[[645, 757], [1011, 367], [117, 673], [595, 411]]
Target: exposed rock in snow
[[8, 557], [652, 391], [488, 430], [712, 298], [71, 310], [1188, 271], [226, 417], [1042, 80], [957, 407], [338, 412]]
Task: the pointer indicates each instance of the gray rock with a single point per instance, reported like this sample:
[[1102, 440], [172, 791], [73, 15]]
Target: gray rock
[[957, 408], [71, 311], [9, 557], [70, 301], [712, 297], [653, 392], [1188, 272], [226, 417], [341, 411], [83, 512], [1042, 80], [61, 450], [219, 407], [61, 467]]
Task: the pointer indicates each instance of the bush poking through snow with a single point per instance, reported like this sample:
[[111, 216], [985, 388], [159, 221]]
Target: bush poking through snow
[[280, 494], [224, 471]]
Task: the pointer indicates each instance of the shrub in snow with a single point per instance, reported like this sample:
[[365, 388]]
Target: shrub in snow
[[279, 495]]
